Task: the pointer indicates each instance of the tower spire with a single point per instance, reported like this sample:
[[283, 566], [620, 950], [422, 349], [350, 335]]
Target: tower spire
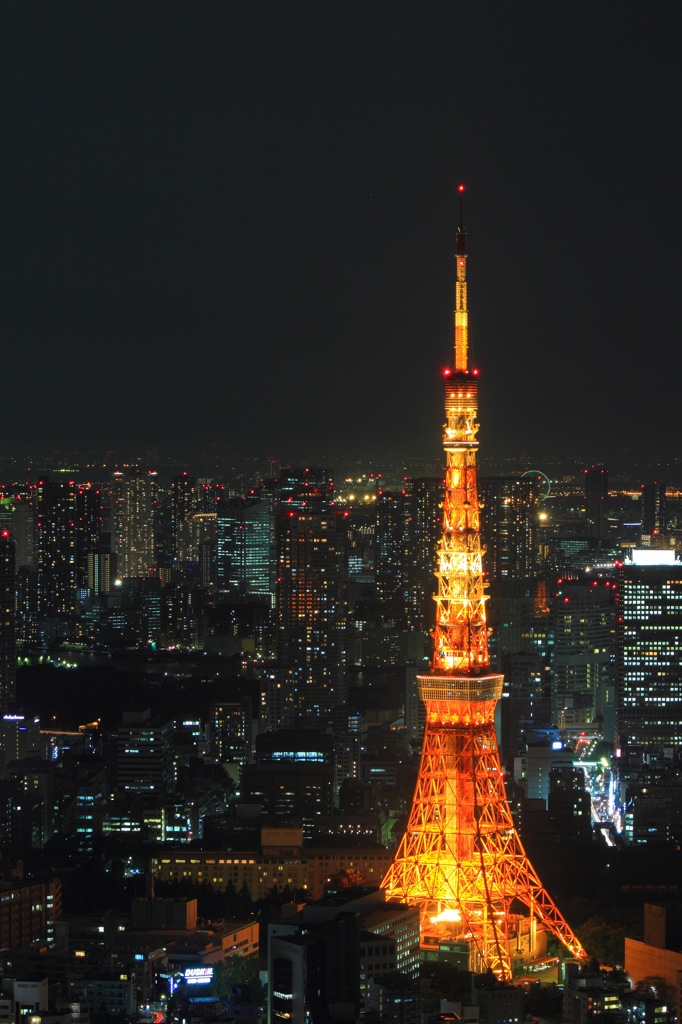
[[461, 308], [461, 860]]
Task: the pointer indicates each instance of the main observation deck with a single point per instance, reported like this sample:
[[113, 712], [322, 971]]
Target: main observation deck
[[460, 689]]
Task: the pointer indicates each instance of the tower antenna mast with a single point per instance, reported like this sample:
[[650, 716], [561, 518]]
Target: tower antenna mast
[[461, 307]]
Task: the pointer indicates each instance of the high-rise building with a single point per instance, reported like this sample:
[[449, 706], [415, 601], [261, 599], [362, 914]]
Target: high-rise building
[[649, 683], [298, 487], [315, 971], [143, 754], [67, 519], [8, 632], [509, 536], [293, 774], [55, 548], [24, 531], [569, 804], [89, 523], [209, 494], [424, 529], [133, 508], [312, 606], [583, 645], [461, 860], [654, 509], [246, 547], [509, 526], [390, 540], [230, 727], [596, 500], [323, 959], [22, 527], [183, 504], [202, 551], [100, 572], [362, 548], [408, 526], [140, 602], [28, 913], [526, 698]]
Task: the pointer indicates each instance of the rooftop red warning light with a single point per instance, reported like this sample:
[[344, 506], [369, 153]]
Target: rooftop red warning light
[[460, 188]]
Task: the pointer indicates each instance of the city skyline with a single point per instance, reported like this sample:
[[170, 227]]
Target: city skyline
[[235, 225], [231, 230]]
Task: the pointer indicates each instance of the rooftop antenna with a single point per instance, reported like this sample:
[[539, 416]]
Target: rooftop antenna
[[461, 311]]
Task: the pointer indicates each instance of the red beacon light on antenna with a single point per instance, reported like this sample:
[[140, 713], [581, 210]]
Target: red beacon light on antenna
[[460, 188], [475, 372], [447, 371]]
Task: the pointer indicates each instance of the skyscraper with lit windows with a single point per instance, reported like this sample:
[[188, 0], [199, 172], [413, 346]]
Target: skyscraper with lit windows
[[407, 534], [246, 547], [654, 509], [8, 636], [391, 573], [133, 512], [649, 687], [509, 510], [583, 645], [88, 525], [55, 547], [424, 528], [509, 526], [312, 603], [183, 504], [67, 520]]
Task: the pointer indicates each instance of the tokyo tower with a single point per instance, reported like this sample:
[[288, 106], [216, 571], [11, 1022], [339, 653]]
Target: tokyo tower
[[461, 860]]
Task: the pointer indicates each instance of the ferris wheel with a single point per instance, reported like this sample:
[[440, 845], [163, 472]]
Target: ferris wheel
[[545, 485]]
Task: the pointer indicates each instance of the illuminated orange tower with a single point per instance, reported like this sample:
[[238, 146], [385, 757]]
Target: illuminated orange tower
[[461, 860]]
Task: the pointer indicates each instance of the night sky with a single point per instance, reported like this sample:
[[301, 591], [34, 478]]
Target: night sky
[[233, 223]]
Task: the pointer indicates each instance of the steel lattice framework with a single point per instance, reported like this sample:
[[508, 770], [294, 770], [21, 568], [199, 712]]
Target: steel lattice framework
[[461, 860]]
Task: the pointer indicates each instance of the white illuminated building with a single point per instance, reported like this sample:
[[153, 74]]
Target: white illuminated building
[[650, 651]]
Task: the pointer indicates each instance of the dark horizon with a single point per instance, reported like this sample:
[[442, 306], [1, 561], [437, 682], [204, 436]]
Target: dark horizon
[[237, 467]]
